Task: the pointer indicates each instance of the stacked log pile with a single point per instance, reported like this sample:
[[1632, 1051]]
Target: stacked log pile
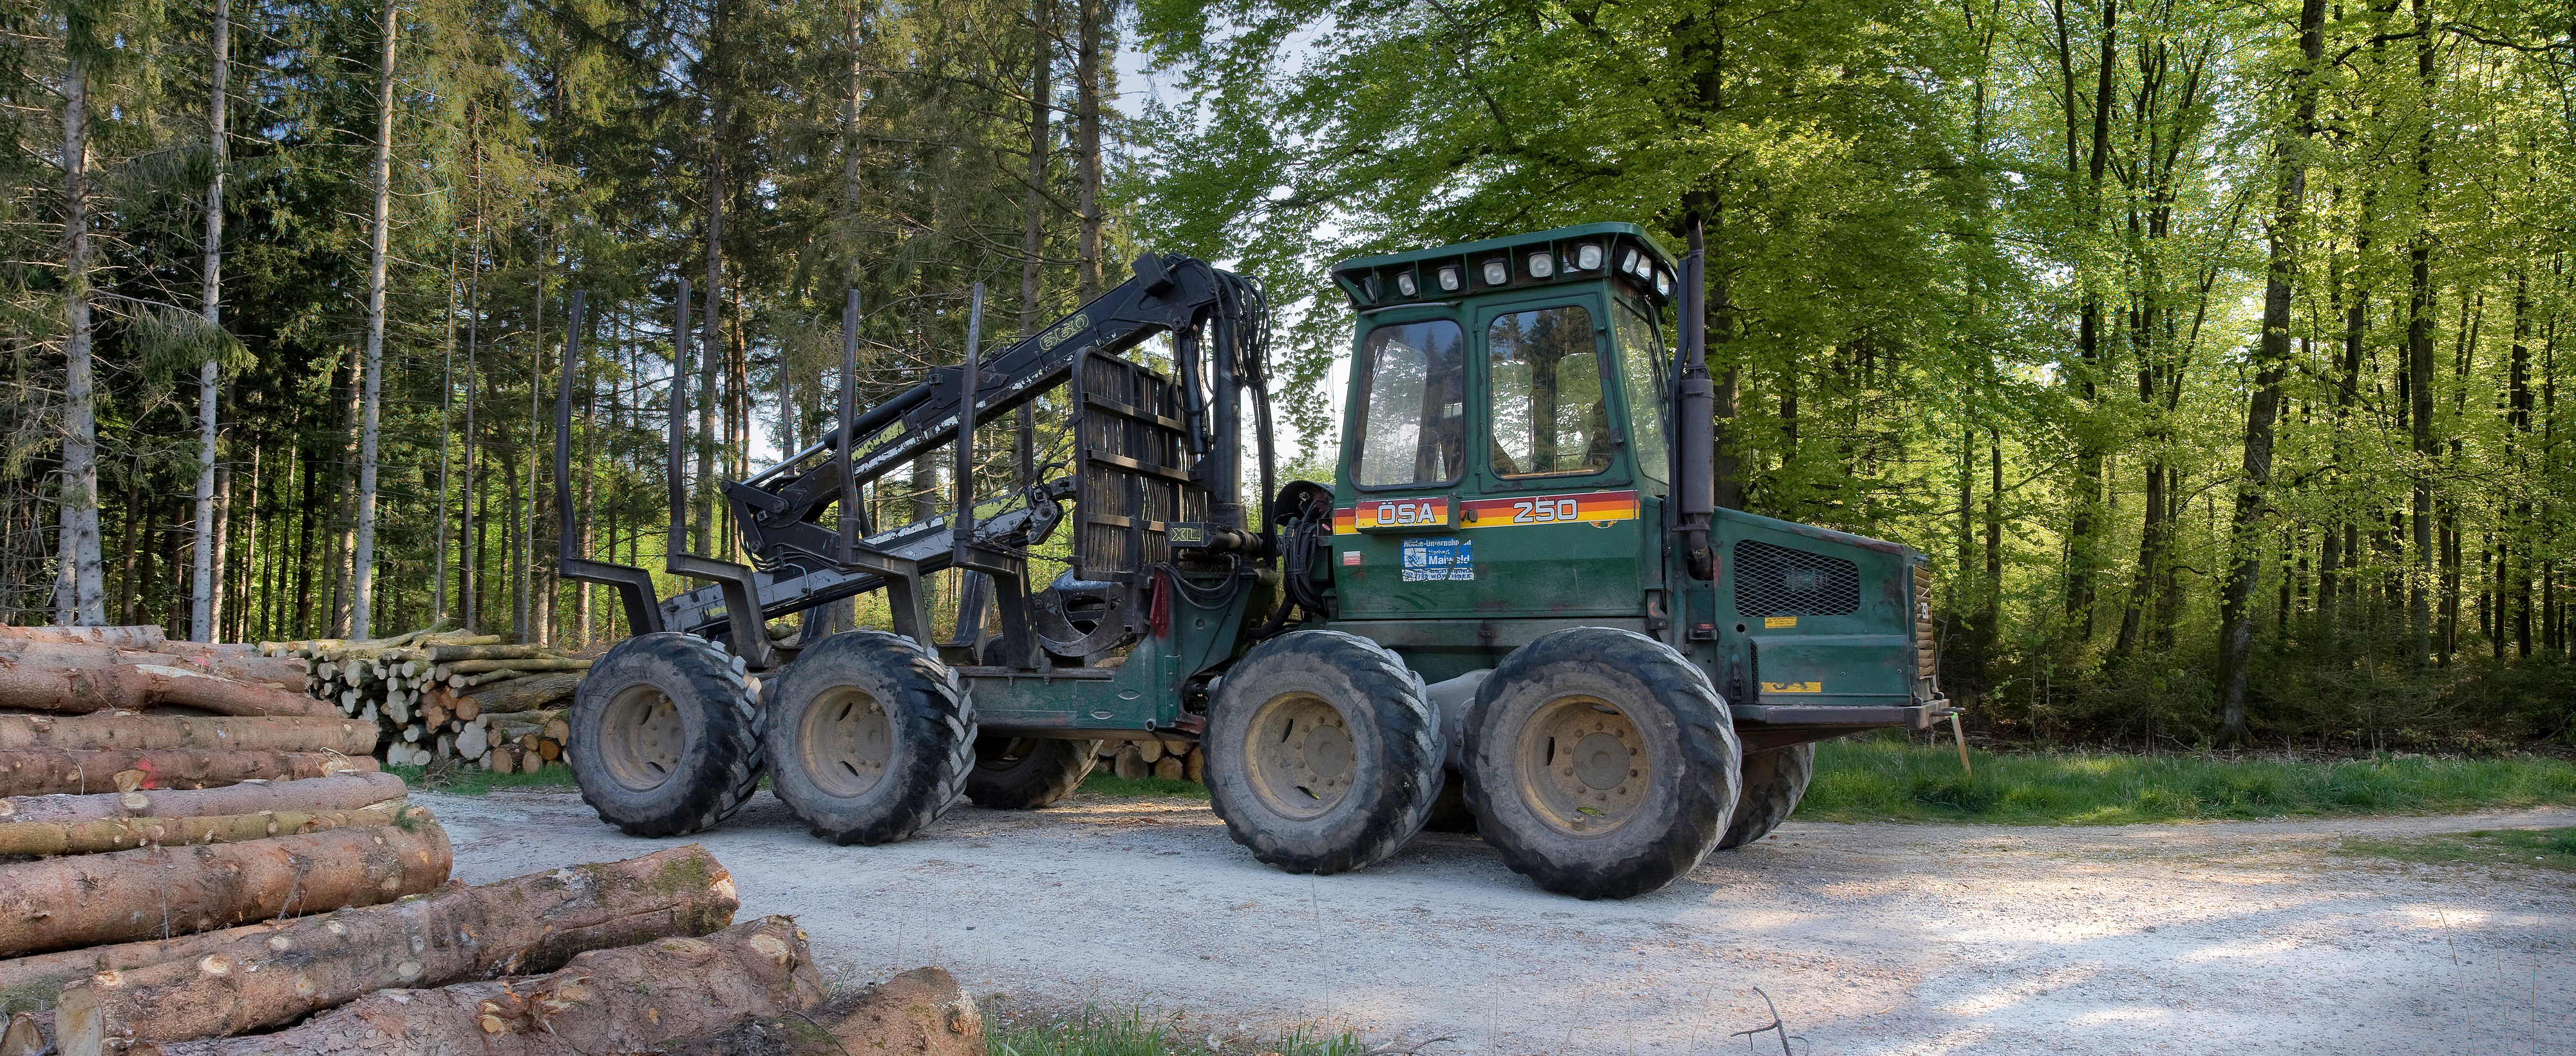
[[103, 881], [133, 996], [448, 695], [96, 709], [1177, 760], [622, 957]]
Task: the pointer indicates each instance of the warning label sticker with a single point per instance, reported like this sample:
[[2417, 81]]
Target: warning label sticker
[[1426, 560]]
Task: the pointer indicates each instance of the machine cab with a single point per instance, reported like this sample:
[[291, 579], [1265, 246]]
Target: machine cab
[[1505, 450]]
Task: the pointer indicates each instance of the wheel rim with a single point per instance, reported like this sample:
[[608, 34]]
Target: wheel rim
[[846, 741], [1584, 766], [641, 738], [999, 754], [1300, 757]]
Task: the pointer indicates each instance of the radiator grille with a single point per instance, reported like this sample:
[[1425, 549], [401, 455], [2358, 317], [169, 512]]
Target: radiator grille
[[1777, 581]]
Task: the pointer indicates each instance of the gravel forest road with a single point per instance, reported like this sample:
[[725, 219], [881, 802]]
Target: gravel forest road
[[2235, 936]]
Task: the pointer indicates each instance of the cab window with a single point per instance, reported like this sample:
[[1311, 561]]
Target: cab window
[[1641, 376], [1413, 412], [1549, 415]]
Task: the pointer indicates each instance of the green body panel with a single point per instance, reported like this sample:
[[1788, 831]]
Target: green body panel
[[1201, 629], [1455, 571], [1454, 575], [1796, 655], [1520, 549]]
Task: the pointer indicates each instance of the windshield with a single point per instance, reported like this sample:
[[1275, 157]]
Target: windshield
[[1413, 379]]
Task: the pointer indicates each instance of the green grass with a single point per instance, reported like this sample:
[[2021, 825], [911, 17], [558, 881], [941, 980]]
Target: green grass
[[1109, 784], [1096, 1033], [463, 782], [1889, 779], [2536, 848]]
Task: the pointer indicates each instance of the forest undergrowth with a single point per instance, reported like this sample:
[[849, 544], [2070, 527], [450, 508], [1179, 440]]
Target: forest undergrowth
[[1894, 778]]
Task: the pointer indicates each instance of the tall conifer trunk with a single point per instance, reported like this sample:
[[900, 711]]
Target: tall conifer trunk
[[201, 609], [80, 595], [363, 564], [1086, 158]]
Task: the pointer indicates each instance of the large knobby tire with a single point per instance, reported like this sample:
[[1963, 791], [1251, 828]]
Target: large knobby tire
[[665, 735], [1600, 762], [1025, 773], [870, 738], [1774, 781], [1322, 753]]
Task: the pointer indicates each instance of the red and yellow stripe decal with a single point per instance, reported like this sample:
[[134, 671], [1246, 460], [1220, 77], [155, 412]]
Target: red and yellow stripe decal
[[1592, 507]]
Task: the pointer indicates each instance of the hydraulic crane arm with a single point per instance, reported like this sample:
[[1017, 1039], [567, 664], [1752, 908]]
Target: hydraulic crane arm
[[798, 556], [781, 509]]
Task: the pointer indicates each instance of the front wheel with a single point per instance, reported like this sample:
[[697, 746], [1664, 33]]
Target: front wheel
[[1322, 753], [1600, 763], [871, 738], [665, 735]]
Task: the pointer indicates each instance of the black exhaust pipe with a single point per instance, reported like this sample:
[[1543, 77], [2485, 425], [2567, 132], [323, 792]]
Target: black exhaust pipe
[[1695, 414]]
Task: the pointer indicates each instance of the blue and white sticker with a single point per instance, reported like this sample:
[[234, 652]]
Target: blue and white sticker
[[1428, 560]]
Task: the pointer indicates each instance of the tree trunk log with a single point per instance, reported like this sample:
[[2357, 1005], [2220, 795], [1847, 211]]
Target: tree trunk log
[[541, 663], [24, 1037], [118, 834], [920, 1011], [280, 671], [530, 924], [348, 791], [445, 653], [131, 732], [55, 771], [146, 636], [605, 1001], [121, 896], [526, 694], [38, 981], [43, 676]]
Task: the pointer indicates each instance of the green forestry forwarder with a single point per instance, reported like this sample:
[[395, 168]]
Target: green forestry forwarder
[[1516, 606]]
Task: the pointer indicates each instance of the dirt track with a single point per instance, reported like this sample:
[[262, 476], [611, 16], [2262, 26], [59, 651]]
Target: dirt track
[[1871, 938]]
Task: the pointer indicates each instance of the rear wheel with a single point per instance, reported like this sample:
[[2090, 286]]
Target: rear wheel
[[665, 735], [1025, 773], [1322, 755], [1774, 781], [1600, 762], [870, 738]]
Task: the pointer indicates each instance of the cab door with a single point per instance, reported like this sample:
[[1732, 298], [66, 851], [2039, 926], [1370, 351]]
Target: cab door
[[1395, 540], [1555, 511]]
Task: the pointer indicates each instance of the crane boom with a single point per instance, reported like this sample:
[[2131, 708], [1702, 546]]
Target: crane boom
[[796, 560]]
